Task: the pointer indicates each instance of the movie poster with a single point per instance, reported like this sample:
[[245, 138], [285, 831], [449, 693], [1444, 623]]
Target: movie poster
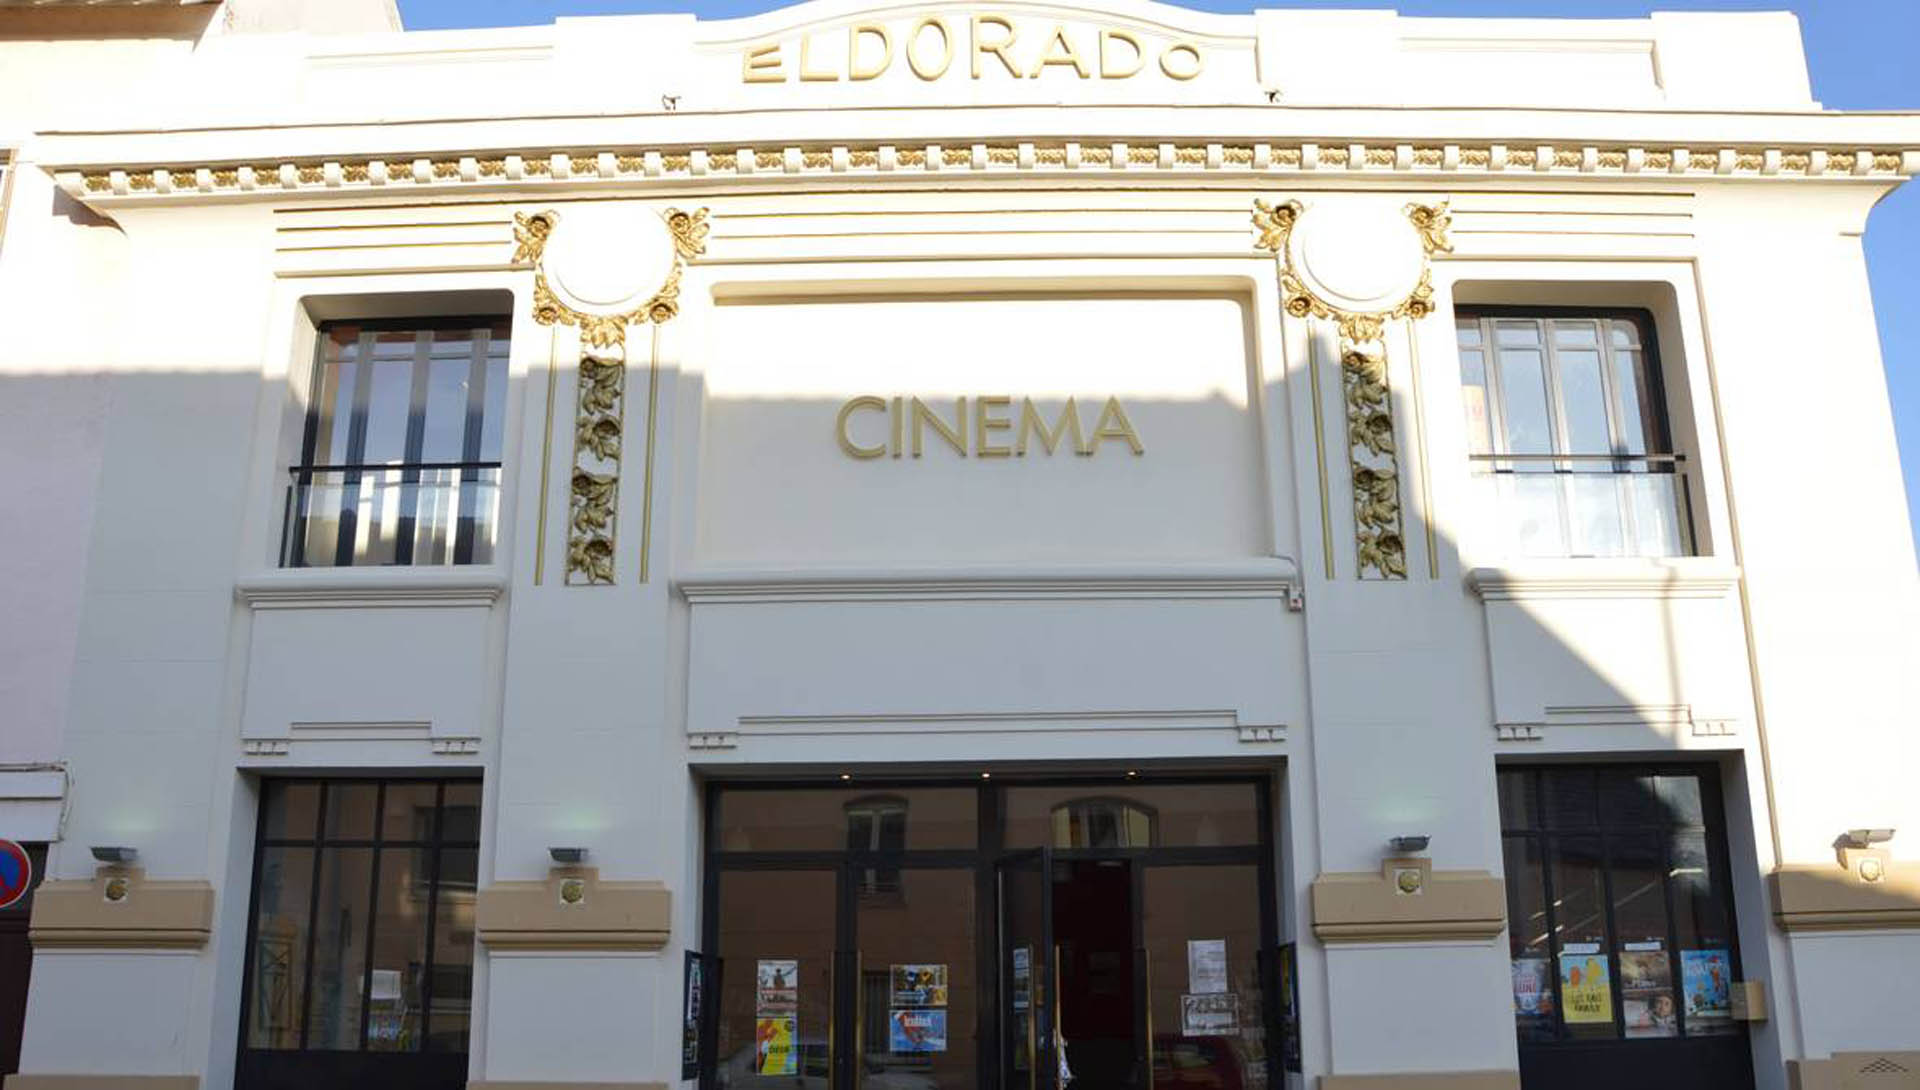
[[919, 986], [777, 987], [917, 1030], [776, 1052], [1532, 988], [1646, 994], [1586, 995], [1706, 981]]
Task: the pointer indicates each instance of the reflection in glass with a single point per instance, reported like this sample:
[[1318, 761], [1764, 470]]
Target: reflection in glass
[[1195, 815], [339, 948], [451, 1004], [1632, 900], [399, 951], [1104, 823], [783, 921], [1201, 929], [401, 458], [1527, 937], [378, 957], [278, 987], [830, 819], [918, 1004]]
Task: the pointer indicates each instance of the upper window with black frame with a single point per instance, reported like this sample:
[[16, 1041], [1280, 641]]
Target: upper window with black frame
[[1567, 430], [400, 463]]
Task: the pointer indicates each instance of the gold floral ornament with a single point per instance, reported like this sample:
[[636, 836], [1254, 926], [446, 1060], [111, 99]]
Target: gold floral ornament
[[604, 269], [1358, 268]]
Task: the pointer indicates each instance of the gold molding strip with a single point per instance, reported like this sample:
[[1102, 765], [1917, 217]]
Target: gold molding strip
[[546, 457], [519, 169], [646, 478], [1373, 451], [1423, 452], [1320, 446], [600, 399]]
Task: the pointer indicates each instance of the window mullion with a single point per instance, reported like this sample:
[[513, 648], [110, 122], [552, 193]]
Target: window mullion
[[481, 340], [433, 914], [373, 916], [356, 451], [1606, 838], [1674, 969], [1559, 443], [1496, 390], [313, 916], [412, 453]]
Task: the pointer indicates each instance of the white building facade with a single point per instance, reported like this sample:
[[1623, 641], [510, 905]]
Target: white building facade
[[947, 546]]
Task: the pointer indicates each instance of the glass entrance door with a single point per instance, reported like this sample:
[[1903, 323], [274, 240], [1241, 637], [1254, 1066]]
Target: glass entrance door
[[1028, 1026], [1036, 935]]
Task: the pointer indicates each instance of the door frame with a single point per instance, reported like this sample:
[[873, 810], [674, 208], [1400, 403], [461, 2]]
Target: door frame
[[984, 859]]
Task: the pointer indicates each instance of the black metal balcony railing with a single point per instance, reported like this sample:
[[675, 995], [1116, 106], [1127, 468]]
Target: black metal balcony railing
[[426, 513], [1601, 505]]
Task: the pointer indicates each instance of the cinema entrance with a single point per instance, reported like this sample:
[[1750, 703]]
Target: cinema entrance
[[1097, 933]]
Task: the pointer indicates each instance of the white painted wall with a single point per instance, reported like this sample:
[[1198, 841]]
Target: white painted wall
[[800, 608]]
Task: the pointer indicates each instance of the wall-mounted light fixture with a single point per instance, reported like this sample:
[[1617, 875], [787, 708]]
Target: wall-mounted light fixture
[[568, 857], [1865, 838], [1408, 845], [118, 856], [1856, 851]]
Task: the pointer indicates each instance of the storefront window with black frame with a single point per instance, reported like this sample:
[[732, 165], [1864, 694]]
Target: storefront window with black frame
[[926, 935], [360, 939], [1621, 927]]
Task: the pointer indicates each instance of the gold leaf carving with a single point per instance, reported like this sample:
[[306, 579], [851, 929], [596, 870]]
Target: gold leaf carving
[[599, 411], [1373, 455], [590, 526]]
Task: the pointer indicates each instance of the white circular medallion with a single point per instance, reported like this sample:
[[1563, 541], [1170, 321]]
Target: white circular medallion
[[1360, 255], [608, 259]]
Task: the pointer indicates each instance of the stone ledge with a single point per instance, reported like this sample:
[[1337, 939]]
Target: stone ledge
[[1439, 1080], [1466, 905], [103, 1082], [146, 914], [1854, 1071], [1823, 897], [625, 916]]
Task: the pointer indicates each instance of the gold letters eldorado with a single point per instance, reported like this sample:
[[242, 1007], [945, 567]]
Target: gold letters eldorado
[[997, 432], [992, 44]]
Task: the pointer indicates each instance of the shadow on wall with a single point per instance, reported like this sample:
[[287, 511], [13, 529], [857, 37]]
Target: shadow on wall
[[133, 486]]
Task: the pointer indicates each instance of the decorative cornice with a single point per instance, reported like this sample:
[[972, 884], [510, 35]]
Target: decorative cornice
[[1239, 581], [332, 588], [1682, 577], [519, 171]]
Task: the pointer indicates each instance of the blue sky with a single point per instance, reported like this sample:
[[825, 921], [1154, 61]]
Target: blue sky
[[1860, 53]]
